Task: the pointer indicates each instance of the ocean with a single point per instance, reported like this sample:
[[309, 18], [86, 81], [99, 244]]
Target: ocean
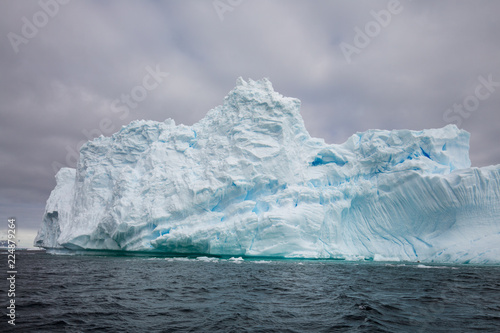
[[98, 293]]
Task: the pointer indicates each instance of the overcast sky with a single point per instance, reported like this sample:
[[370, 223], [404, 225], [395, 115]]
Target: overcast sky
[[65, 66]]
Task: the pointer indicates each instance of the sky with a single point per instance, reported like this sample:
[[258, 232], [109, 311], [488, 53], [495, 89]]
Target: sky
[[72, 70]]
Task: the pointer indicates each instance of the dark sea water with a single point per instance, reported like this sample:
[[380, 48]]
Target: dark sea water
[[62, 293]]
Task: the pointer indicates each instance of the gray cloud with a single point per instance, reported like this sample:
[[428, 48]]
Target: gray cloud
[[61, 84]]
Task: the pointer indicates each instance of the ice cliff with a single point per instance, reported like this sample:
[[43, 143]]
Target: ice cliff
[[249, 180]]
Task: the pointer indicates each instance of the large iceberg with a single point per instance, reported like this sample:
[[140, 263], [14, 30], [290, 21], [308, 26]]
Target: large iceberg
[[249, 180]]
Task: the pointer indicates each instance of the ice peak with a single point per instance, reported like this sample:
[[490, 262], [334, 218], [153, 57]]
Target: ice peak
[[259, 95], [262, 83]]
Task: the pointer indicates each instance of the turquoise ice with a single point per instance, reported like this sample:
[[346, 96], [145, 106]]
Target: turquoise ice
[[249, 180]]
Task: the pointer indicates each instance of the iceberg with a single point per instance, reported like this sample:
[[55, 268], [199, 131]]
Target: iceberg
[[249, 181]]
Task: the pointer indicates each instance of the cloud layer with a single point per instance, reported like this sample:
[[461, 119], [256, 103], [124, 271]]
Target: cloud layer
[[67, 68]]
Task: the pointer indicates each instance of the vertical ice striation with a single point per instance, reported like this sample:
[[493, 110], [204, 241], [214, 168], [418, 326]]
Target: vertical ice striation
[[248, 180]]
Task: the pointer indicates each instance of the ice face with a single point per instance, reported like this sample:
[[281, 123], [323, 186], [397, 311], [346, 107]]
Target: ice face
[[248, 180]]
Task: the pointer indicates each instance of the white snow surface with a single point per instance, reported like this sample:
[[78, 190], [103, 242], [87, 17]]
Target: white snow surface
[[249, 180]]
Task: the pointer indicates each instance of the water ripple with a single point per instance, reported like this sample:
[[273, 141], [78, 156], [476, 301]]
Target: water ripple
[[110, 294]]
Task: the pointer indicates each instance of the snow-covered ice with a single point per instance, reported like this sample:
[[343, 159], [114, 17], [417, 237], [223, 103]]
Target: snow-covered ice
[[249, 180]]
